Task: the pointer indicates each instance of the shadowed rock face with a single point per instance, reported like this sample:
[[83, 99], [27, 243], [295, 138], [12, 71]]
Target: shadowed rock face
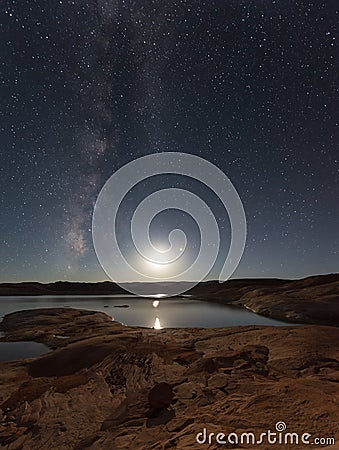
[[113, 387], [160, 396]]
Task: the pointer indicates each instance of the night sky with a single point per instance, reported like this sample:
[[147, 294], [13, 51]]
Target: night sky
[[88, 86]]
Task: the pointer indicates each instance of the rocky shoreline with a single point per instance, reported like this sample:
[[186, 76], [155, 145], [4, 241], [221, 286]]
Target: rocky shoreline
[[311, 300], [108, 386]]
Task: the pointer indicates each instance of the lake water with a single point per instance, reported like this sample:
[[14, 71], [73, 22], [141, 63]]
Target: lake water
[[157, 312], [24, 349]]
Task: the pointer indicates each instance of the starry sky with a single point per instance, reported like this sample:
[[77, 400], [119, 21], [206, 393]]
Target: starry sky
[[88, 86]]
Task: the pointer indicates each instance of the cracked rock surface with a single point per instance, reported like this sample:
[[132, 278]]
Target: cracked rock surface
[[109, 386]]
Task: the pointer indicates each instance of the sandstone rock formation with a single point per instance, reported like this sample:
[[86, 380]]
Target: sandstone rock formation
[[111, 387]]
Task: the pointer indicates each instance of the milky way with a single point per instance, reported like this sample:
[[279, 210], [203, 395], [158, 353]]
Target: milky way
[[88, 86]]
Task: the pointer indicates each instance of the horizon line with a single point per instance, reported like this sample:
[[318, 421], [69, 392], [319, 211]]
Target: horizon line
[[168, 282]]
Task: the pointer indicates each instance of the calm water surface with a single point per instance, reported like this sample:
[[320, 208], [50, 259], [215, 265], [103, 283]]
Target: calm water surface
[[23, 349], [157, 312]]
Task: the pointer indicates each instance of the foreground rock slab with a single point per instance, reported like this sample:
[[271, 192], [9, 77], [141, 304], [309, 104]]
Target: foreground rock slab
[[107, 386]]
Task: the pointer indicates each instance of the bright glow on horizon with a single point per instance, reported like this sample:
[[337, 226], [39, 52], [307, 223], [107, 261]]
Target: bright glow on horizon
[[157, 267], [156, 303]]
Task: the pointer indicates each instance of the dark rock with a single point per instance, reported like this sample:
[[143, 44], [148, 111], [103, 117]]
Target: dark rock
[[160, 396]]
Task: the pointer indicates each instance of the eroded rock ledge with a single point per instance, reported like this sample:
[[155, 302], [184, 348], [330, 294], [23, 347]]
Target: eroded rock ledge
[[311, 300], [107, 386]]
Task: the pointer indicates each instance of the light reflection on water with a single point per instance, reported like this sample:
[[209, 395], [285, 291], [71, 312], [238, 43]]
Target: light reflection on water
[[147, 312], [157, 324]]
